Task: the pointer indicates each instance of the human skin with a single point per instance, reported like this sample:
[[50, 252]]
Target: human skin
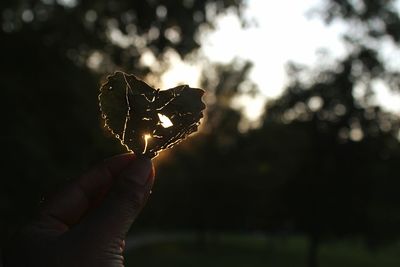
[[85, 224]]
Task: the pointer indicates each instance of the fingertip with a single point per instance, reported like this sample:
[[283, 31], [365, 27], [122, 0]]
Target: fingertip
[[117, 163], [96, 182], [138, 170]]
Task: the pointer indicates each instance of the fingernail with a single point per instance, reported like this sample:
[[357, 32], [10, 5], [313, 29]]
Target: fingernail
[[138, 171]]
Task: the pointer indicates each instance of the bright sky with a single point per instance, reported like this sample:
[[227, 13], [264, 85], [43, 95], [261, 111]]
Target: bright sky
[[284, 33]]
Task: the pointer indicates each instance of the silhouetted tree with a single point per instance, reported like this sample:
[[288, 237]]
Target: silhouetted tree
[[53, 56], [334, 153], [331, 185], [203, 179]]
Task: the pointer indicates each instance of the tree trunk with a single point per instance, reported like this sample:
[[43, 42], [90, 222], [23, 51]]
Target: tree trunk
[[313, 251]]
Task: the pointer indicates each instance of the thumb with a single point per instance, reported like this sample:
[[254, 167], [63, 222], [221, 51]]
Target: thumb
[[111, 220]]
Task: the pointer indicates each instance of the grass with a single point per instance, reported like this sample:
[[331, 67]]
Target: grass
[[255, 251]]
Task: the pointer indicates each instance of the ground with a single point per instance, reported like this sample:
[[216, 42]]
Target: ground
[[236, 250]]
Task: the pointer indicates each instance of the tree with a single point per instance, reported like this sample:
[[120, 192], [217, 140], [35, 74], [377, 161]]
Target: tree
[[332, 152], [204, 178], [54, 54]]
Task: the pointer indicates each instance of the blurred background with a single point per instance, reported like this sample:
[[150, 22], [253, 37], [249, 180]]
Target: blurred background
[[297, 162]]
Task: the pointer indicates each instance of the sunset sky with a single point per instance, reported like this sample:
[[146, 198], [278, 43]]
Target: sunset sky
[[285, 32]]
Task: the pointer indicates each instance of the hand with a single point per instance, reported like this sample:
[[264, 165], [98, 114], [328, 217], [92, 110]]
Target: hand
[[86, 223]]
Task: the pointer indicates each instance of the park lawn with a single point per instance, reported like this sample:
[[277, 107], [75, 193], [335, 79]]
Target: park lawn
[[252, 251]]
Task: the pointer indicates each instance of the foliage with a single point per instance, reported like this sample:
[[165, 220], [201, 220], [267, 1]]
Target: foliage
[[54, 55]]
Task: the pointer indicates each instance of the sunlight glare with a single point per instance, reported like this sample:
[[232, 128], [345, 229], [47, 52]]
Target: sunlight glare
[[165, 121], [180, 72], [146, 138]]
